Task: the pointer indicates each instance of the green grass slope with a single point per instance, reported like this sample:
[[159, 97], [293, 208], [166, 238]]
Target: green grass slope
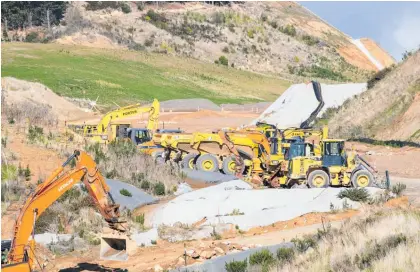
[[125, 77]]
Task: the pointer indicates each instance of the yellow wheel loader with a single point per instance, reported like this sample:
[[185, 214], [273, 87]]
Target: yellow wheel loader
[[335, 167]]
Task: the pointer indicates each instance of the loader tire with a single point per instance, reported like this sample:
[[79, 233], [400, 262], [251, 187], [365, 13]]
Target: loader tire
[[318, 179], [207, 163], [362, 179], [158, 157], [229, 166], [188, 162]]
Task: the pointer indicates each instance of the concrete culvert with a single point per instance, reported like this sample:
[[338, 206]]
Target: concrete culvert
[[116, 248], [207, 163]]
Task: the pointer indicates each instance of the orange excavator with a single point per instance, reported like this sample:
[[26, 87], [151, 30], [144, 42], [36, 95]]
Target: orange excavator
[[21, 255]]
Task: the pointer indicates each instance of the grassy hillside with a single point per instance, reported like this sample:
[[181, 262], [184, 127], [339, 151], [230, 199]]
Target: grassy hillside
[[388, 110], [123, 76]]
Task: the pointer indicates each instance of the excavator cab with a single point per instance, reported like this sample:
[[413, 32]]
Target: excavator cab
[[139, 135]]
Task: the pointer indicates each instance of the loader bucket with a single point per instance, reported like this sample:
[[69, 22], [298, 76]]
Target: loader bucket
[[116, 247]]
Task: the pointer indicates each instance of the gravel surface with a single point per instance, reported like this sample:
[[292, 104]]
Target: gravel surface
[[218, 264], [207, 177]]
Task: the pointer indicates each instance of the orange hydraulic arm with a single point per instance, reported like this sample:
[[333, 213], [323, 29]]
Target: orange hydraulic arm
[[50, 190]]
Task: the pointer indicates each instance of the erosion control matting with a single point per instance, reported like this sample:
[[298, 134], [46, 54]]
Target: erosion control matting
[[137, 199]]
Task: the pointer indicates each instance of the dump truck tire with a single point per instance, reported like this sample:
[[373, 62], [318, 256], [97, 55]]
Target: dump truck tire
[[188, 162], [318, 179], [207, 163], [229, 166], [362, 178]]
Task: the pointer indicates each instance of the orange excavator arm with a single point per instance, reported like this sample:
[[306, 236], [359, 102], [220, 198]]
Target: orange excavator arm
[[50, 190]]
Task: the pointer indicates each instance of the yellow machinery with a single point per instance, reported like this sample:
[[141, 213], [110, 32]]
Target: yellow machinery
[[21, 255], [177, 148], [110, 128], [334, 167]]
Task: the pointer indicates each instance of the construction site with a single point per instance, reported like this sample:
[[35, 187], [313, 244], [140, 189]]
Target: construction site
[[210, 168]]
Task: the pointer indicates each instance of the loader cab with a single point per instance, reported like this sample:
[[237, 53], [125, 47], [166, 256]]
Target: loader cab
[[139, 135], [333, 153]]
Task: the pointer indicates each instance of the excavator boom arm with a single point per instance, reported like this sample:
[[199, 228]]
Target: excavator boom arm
[[49, 191]]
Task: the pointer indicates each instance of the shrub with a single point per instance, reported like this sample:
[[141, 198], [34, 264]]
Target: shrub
[[288, 30], [125, 8], [309, 40], [274, 24], [264, 17], [138, 47], [236, 266], [145, 185], [304, 244], [398, 188], [218, 18], [8, 172], [285, 254], [125, 192], [122, 148], [355, 194], [159, 189], [223, 61], [140, 219], [153, 242], [97, 151], [225, 49], [250, 33], [148, 42], [32, 37], [140, 5], [4, 142], [215, 234], [263, 257], [378, 77], [35, 133]]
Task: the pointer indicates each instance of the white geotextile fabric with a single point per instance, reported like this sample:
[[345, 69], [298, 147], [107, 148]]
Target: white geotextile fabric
[[260, 207], [297, 103]]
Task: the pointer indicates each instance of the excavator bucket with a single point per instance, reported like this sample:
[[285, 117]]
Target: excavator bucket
[[116, 247]]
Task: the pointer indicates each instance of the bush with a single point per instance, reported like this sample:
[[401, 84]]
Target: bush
[[145, 185], [218, 18], [8, 172], [225, 49], [148, 42], [285, 254], [378, 77], [236, 266], [304, 244], [263, 257], [125, 8], [32, 37], [140, 5], [264, 17], [223, 61], [355, 194], [140, 219], [35, 133], [398, 188], [288, 30], [125, 192], [122, 148], [159, 189], [97, 152], [309, 40]]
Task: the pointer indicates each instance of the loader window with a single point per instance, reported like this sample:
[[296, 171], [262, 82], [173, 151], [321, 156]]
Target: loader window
[[140, 136], [295, 150], [333, 154], [333, 148]]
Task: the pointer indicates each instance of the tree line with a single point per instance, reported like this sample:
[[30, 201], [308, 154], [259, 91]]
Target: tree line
[[23, 14]]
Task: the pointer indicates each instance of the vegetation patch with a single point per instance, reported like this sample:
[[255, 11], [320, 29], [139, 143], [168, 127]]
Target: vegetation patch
[[355, 194], [125, 192], [236, 266]]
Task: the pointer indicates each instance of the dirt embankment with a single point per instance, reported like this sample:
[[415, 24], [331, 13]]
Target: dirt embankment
[[21, 92], [387, 111]]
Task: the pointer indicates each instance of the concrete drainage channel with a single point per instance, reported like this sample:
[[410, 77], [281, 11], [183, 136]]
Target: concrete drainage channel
[[218, 264]]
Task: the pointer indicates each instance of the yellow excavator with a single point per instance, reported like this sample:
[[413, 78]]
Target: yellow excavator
[[110, 127], [21, 249]]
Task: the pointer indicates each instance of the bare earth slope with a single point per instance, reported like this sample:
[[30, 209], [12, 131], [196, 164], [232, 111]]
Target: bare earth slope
[[388, 111], [256, 36]]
